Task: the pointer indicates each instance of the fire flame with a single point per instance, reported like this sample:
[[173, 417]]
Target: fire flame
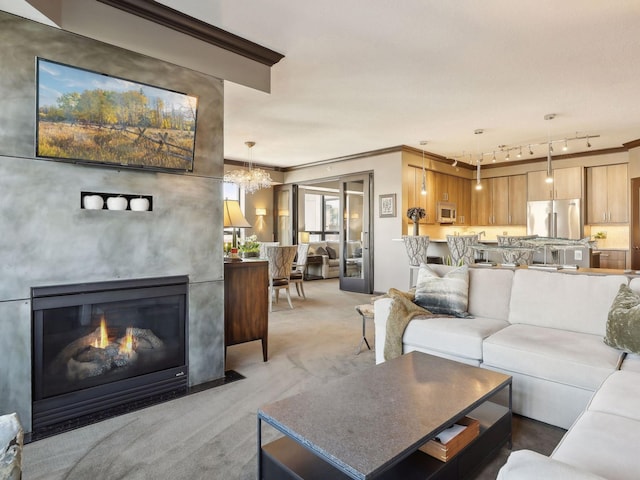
[[127, 346], [103, 342]]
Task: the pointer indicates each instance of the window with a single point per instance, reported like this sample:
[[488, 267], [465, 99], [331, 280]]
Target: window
[[320, 215]]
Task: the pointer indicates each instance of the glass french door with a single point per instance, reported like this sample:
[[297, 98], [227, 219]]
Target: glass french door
[[356, 269], [285, 214]]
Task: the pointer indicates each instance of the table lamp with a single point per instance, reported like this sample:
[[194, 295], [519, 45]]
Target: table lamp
[[234, 218]]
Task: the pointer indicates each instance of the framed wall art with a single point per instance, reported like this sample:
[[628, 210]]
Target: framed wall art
[[94, 118], [388, 205]]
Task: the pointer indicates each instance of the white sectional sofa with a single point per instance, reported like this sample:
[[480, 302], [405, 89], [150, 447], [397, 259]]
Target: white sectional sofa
[[546, 330]]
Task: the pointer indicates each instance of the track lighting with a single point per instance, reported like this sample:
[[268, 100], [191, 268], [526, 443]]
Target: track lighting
[[530, 151], [566, 147], [494, 157], [520, 152], [588, 143], [508, 157], [455, 163]]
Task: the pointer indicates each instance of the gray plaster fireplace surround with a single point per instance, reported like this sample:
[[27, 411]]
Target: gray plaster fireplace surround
[[48, 239]]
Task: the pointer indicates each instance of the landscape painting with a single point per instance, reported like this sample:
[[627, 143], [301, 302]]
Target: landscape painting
[[88, 117]]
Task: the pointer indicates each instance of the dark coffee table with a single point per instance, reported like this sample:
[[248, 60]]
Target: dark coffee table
[[371, 424]]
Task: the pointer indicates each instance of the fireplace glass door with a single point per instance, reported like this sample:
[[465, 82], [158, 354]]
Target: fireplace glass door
[[115, 344]]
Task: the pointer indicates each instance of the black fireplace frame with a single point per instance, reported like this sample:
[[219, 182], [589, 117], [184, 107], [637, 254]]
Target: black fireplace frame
[[66, 408]]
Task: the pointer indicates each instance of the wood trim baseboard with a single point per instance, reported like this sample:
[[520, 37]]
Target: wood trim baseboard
[[180, 22]]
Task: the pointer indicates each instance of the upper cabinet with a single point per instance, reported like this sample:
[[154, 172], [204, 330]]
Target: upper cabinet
[[440, 188], [501, 201], [518, 200], [607, 194], [567, 184]]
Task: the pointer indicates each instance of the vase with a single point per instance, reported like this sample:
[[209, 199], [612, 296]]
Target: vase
[[416, 227]]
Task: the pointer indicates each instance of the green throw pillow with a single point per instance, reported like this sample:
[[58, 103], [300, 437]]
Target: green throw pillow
[[446, 295], [623, 324]]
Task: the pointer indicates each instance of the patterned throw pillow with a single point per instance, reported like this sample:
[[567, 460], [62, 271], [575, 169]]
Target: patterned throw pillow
[[332, 253], [446, 295], [623, 324], [321, 251]]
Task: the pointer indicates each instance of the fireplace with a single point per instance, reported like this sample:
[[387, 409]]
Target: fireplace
[[108, 345]]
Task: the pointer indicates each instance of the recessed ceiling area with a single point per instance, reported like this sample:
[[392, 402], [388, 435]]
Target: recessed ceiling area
[[360, 76]]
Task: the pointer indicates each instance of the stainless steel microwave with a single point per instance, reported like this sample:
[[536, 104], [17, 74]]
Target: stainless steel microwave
[[446, 212]]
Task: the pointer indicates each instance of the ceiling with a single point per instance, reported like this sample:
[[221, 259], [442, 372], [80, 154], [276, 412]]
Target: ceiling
[[364, 75]]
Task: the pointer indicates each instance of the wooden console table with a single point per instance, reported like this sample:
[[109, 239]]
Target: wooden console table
[[246, 303]]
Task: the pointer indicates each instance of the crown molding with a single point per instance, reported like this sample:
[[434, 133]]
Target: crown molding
[[632, 144], [180, 22]]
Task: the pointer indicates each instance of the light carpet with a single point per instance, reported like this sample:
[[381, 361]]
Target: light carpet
[[212, 434]]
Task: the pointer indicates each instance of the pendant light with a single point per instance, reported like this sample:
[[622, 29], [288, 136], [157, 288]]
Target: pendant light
[[478, 184], [423, 190], [478, 131], [252, 179], [549, 178]]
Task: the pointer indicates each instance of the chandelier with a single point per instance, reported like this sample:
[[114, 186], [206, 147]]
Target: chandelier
[[250, 180]]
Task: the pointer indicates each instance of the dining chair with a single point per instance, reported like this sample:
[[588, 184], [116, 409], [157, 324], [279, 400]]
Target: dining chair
[[297, 274], [263, 245], [280, 265]]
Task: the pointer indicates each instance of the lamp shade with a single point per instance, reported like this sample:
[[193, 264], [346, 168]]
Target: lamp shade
[[233, 216]]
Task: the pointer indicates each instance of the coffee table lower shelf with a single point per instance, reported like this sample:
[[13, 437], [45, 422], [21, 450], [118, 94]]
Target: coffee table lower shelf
[[285, 459]]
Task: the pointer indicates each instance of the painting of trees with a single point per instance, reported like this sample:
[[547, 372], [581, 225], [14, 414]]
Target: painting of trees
[[118, 121]]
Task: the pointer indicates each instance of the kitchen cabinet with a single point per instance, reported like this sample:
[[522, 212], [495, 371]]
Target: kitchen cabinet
[[607, 194], [567, 184], [447, 188], [613, 259], [452, 189], [501, 201], [464, 202], [518, 200], [440, 188], [246, 303]]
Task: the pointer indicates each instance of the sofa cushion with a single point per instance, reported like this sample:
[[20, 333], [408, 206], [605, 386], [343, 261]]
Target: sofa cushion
[[447, 294], [631, 363], [623, 324], [489, 292], [604, 444], [530, 465], [332, 253], [618, 395], [577, 359], [567, 301], [456, 336]]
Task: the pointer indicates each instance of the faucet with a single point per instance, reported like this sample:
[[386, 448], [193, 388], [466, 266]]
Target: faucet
[[480, 234]]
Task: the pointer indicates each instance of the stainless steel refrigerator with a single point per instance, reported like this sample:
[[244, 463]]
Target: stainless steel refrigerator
[[555, 218]]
